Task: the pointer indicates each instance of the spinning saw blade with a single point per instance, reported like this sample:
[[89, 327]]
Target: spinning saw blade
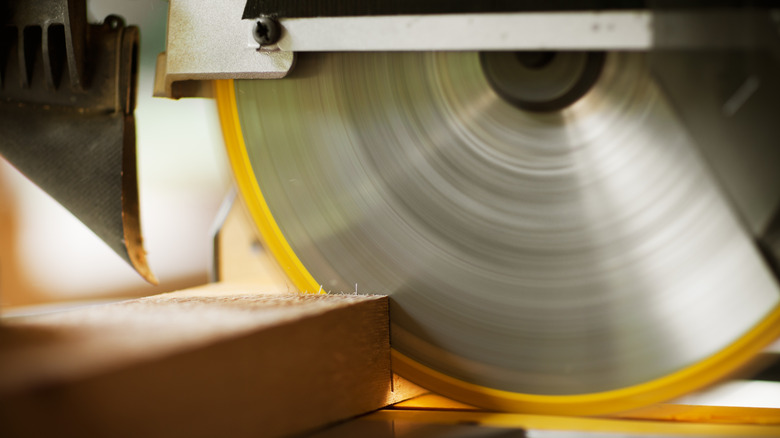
[[549, 245]]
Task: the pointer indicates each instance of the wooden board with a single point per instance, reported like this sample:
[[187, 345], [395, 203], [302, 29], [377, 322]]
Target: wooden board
[[220, 360]]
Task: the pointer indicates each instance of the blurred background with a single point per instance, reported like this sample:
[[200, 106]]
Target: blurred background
[[46, 255]]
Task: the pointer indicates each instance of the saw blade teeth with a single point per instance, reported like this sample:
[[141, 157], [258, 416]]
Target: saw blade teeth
[[579, 250]]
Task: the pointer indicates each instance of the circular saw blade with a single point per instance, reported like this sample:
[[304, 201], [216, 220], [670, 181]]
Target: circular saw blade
[[572, 261]]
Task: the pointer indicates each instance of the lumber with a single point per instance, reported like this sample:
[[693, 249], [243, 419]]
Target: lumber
[[218, 360]]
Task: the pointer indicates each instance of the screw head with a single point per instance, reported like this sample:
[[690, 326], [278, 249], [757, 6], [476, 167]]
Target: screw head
[[114, 22], [266, 31]]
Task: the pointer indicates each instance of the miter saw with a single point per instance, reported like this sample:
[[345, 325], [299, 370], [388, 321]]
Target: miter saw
[[573, 206]]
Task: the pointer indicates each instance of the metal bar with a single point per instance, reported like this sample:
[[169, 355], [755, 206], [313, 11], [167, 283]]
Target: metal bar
[[616, 30], [207, 42]]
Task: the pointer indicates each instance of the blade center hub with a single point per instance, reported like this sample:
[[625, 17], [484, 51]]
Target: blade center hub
[[542, 80]]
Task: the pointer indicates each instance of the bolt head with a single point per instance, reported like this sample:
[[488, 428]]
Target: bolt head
[[266, 31]]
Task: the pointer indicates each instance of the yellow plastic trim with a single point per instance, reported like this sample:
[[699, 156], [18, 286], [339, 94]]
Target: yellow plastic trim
[[699, 375], [705, 414], [272, 236], [659, 412]]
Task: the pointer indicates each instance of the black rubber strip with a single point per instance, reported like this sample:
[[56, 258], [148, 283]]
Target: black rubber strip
[[343, 8]]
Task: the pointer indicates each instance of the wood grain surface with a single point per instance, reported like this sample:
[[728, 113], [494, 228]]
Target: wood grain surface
[[220, 360]]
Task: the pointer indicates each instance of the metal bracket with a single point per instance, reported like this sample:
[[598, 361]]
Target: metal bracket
[[206, 42]]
